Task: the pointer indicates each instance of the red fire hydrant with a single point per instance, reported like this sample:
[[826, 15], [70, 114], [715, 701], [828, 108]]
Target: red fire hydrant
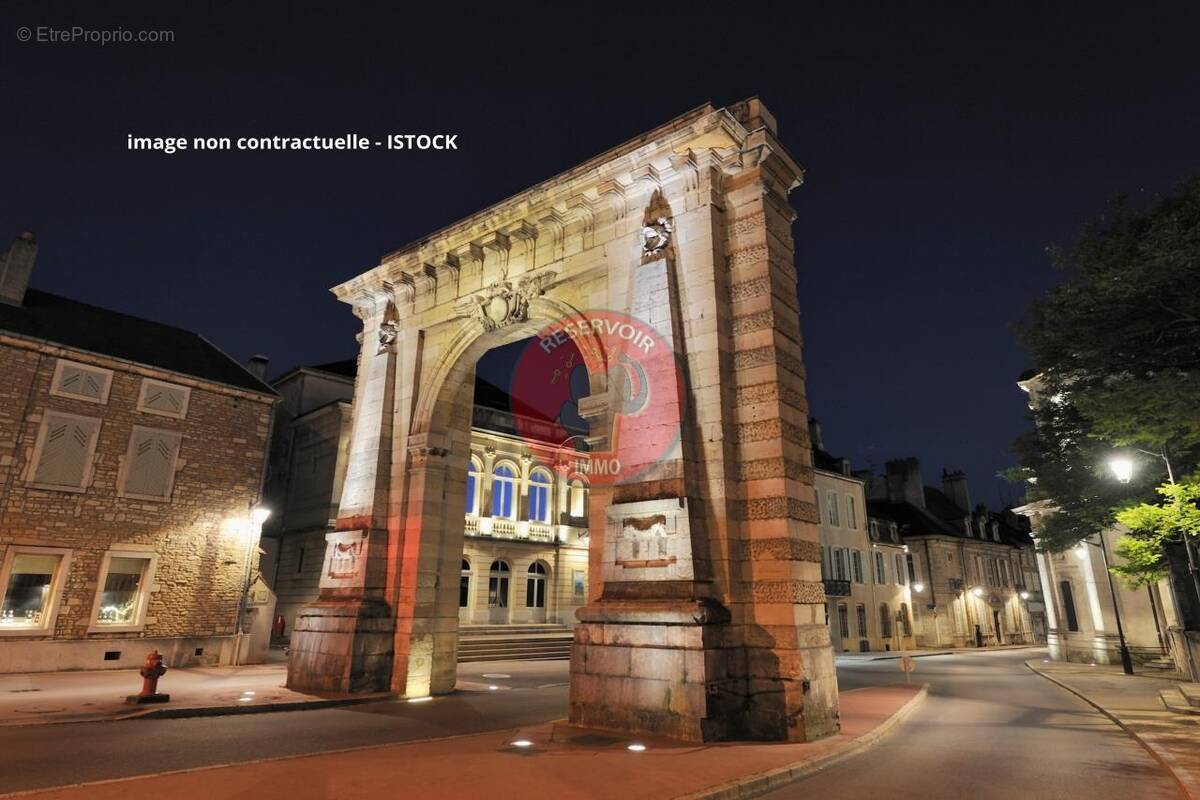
[[151, 671]]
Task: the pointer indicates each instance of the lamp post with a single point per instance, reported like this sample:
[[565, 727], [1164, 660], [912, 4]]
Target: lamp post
[[257, 516]]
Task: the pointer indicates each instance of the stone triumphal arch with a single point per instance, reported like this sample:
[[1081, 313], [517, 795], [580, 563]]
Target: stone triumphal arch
[[704, 615]]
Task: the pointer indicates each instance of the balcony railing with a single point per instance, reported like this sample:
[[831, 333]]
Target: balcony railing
[[836, 588]]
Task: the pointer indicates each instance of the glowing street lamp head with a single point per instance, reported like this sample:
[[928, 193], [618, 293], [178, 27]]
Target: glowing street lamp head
[[977, 591], [1122, 468], [260, 514], [1024, 595], [1081, 551], [918, 587]]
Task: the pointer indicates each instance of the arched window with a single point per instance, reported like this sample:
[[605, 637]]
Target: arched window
[[472, 489], [498, 584], [885, 621], [1068, 601], [535, 586], [464, 585], [578, 499], [504, 481], [539, 496]]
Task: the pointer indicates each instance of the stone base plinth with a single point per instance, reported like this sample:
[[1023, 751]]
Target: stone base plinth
[[341, 646], [650, 667], [790, 683]]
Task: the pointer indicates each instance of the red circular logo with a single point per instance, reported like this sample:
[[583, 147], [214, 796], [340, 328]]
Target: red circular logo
[[639, 414]]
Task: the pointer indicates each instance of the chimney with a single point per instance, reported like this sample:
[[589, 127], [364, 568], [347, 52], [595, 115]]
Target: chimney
[[904, 483], [16, 265], [257, 366], [814, 434], [954, 486]]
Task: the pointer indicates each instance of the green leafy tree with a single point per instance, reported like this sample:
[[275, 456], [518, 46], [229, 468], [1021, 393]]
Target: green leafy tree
[[1117, 350], [1151, 526]]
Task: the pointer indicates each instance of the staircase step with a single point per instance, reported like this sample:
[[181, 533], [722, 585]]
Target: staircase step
[[1191, 693], [1174, 700]]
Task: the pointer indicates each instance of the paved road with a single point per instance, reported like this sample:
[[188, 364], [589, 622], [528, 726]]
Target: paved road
[[990, 728], [55, 755]]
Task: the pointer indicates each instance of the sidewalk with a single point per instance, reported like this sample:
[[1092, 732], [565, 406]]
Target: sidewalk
[[1133, 703], [884, 655], [560, 761], [57, 697]]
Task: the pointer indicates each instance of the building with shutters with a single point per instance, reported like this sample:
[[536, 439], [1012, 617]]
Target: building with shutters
[[131, 455], [868, 603]]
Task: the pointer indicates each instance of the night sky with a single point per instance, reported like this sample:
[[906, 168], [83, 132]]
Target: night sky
[[944, 153]]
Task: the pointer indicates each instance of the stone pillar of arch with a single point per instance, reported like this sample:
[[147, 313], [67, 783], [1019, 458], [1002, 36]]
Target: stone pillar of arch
[[721, 637]]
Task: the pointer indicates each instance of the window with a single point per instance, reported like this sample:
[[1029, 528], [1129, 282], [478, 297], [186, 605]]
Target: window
[[32, 579], [885, 621], [535, 586], [81, 382], [1068, 601], [856, 565], [905, 619], [831, 508], [62, 457], [539, 496], [164, 399], [874, 528], [880, 571], [968, 528], [995, 531], [498, 584], [149, 469], [912, 568], [578, 584], [464, 585], [578, 499], [472, 489], [503, 486], [851, 513], [901, 574], [860, 613], [843, 621], [839, 563], [123, 590]]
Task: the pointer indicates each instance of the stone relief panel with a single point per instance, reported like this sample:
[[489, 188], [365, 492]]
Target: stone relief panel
[[345, 559], [648, 541]]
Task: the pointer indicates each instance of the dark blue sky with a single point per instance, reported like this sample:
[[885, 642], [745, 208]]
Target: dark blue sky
[[946, 149]]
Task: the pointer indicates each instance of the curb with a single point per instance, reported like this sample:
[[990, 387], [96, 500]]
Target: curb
[[910, 655], [1165, 759], [763, 782], [182, 712]]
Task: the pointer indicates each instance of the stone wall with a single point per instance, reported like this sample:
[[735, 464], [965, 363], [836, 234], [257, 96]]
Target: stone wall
[[198, 535]]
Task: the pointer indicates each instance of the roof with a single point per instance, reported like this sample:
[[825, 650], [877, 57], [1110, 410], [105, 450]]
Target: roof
[[67, 322], [347, 368], [915, 521], [825, 460]]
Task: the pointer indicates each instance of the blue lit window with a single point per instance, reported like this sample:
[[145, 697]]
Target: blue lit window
[[472, 490], [503, 484], [539, 497]]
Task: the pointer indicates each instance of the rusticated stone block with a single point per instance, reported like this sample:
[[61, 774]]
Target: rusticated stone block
[[781, 549], [792, 591]]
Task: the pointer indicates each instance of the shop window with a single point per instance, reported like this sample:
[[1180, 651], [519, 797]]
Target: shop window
[[32, 580], [539, 496], [149, 469], [62, 457], [498, 578], [123, 590], [81, 382], [535, 586], [504, 481], [164, 399]]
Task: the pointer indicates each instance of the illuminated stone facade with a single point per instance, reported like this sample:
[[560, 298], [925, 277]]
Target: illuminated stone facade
[[705, 614]]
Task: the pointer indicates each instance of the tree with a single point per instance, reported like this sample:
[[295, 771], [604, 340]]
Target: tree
[[1117, 350], [1151, 526]]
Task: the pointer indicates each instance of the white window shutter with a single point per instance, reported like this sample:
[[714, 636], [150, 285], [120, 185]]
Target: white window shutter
[[65, 449], [78, 380], [165, 398], [151, 466]]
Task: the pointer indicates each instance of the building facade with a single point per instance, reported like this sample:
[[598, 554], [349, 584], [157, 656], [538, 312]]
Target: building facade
[[972, 571], [525, 553], [1082, 606], [868, 604], [131, 454]]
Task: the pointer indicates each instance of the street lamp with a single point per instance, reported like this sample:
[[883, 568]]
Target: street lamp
[[1122, 467], [918, 587], [253, 528], [1024, 594], [977, 591]]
